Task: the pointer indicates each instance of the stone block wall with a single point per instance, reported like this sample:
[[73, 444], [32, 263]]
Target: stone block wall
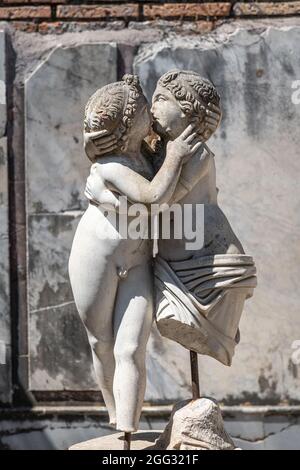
[[5, 319], [53, 56]]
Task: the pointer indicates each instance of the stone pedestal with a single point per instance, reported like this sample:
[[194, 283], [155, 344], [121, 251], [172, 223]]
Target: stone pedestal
[[139, 441], [193, 425]]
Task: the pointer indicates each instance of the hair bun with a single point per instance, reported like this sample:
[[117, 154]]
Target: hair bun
[[131, 79]]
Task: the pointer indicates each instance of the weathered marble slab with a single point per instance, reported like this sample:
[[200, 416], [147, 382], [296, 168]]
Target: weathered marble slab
[[258, 171], [56, 169], [5, 339], [59, 353], [3, 116], [56, 94]]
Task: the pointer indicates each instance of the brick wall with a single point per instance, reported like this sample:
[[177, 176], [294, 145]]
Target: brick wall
[[59, 15]]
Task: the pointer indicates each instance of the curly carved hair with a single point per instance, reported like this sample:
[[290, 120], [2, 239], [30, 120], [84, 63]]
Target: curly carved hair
[[193, 94], [113, 108]]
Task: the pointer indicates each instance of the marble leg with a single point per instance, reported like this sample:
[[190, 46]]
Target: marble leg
[[133, 320], [95, 297]]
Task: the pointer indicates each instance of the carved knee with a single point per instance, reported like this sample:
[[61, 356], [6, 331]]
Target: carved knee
[[129, 352]]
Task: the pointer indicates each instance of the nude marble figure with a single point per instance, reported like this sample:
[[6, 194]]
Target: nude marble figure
[[111, 277], [199, 294]]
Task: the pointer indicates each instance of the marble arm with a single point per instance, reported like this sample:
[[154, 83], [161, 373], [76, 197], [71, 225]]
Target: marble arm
[[109, 180], [191, 172], [97, 193], [136, 188], [126, 182]]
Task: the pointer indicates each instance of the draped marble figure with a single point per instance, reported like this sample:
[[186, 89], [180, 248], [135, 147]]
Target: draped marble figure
[[196, 296]]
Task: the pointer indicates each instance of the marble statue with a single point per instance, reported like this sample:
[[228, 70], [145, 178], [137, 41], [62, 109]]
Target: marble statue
[[196, 296], [111, 277]]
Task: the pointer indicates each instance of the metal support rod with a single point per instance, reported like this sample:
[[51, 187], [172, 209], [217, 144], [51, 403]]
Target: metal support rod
[[127, 440], [195, 375]]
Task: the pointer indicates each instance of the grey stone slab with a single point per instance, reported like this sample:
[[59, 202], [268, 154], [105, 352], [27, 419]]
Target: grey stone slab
[[24, 431], [5, 339], [59, 351], [56, 170], [2, 85], [4, 246], [258, 170], [248, 428], [5, 373], [48, 434], [60, 357], [285, 438], [55, 96], [168, 377], [49, 243]]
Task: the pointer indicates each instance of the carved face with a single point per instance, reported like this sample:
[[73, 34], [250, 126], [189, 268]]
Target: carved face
[[169, 119]]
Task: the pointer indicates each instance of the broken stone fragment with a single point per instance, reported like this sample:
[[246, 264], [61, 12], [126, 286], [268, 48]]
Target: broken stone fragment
[[195, 425]]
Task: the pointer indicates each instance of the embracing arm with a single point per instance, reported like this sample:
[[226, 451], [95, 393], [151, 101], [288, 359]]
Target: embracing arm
[[97, 189], [125, 181], [109, 182]]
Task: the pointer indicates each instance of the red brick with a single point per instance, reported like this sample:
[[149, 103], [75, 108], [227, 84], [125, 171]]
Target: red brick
[[26, 26], [26, 2], [97, 11], [175, 10], [266, 8], [15, 13], [54, 27]]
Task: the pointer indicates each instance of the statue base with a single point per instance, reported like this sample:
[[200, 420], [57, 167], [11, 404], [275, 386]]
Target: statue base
[[140, 440], [193, 425]]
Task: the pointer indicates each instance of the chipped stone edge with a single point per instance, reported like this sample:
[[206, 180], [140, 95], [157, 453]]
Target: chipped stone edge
[[216, 38]]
